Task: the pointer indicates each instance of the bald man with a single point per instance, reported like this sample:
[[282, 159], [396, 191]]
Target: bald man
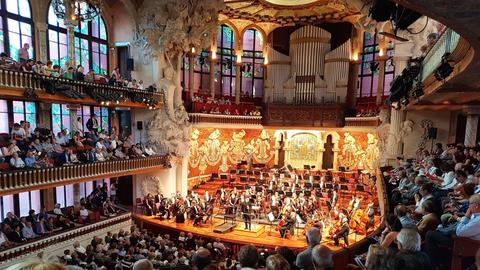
[[201, 259], [143, 264], [304, 258], [277, 262], [322, 258]]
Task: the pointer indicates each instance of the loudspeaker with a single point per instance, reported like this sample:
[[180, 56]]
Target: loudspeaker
[[432, 133], [139, 125], [130, 64]]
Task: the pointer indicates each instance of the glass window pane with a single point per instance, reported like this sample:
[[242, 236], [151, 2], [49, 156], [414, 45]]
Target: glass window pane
[[7, 204], [69, 192], [12, 6], [24, 201], [24, 8], [35, 200], [60, 192], [30, 107], [18, 107]]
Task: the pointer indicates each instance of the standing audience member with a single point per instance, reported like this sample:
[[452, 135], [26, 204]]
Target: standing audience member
[[304, 259], [322, 258], [23, 54]]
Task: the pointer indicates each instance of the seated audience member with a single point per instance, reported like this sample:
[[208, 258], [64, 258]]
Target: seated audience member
[[27, 66], [41, 228], [79, 75], [30, 160], [469, 225], [276, 262], [28, 232], [248, 257], [322, 258], [409, 241], [83, 214], [304, 259], [16, 162], [58, 210], [389, 235], [201, 259], [16, 235], [69, 73], [4, 241], [90, 77], [429, 220]]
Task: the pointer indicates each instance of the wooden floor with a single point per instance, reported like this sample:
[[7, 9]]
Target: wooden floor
[[268, 239]]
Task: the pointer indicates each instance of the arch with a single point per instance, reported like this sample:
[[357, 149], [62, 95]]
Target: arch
[[226, 54], [256, 27], [91, 43], [17, 25], [236, 33], [335, 140], [252, 67]]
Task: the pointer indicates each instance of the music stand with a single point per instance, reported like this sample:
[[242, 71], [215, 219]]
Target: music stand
[[243, 179], [288, 194], [249, 173], [343, 187], [316, 177], [265, 174], [256, 172], [306, 167], [315, 185], [360, 188], [309, 185], [307, 193], [233, 171], [328, 186]]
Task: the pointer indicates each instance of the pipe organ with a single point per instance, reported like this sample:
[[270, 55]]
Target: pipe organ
[[312, 73]]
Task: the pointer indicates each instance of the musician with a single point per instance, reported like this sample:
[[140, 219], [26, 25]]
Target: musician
[[342, 233], [179, 211], [371, 217], [286, 224], [148, 203], [163, 207], [246, 207]]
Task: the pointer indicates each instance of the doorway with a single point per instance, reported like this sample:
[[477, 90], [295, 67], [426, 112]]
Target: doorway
[[123, 54], [327, 160], [124, 123], [125, 190]]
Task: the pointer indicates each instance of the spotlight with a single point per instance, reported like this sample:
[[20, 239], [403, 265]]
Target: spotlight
[[117, 101], [404, 101], [445, 69], [108, 103], [417, 91], [103, 102]]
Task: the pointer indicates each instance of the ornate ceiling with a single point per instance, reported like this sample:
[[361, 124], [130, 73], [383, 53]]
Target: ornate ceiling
[[289, 12]]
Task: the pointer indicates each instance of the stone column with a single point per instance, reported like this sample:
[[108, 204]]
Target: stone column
[[45, 112], [71, 43], [471, 127], [76, 196], [213, 62], [72, 108], [191, 74], [381, 80], [42, 45], [238, 78], [395, 144]]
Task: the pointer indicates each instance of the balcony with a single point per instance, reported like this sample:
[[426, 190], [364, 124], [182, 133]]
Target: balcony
[[24, 251], [17, 84], [12, 182], [304, 115], [199, 118], [373, 121]]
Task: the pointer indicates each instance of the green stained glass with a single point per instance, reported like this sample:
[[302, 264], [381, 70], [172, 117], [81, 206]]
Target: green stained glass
[[56, 123], [55, 108], [105, 123], [18, 107], [30, 107], [103, 30], [103, 49], [31, 117], [104, 111]]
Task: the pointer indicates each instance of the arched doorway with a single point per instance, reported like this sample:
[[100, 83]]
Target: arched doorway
[[327, 160]]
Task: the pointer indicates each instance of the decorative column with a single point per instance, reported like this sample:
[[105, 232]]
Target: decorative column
[[381, 79], [471, 127], [72, 109], [238, 78], [70, 22], [213, 63], [45, 112], [76, 196], [352, 83], [42, 45], [191, 72], [395, 142]]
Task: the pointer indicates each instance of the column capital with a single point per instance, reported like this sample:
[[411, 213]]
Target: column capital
[[472, 110]]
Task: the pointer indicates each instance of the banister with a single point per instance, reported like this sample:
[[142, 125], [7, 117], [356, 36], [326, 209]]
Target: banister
[[447, 42], [14, 181]]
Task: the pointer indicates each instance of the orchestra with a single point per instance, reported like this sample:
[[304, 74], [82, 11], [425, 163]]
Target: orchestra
[[291, 203]]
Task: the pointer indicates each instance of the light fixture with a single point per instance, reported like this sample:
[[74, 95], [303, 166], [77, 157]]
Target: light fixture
[[380, 52], [355, 56], [193, 50], [214, 55], [445, 69], [239, 58], [79, 10]]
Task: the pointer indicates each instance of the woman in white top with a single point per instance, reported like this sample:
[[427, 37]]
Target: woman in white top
[[16, 162], [78, 126]]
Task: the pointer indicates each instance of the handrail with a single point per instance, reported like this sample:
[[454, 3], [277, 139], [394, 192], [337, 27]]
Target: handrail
[[370, 121], [196, 118], [40, 244], [24, 179], [27, 80], [447, 42]]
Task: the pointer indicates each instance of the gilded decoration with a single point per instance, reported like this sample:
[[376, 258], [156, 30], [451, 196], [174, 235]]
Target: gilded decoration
[[358, 152], [304, 147], [212, 149]]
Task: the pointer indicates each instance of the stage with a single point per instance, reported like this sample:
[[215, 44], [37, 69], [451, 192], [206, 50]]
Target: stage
[[262, 236]]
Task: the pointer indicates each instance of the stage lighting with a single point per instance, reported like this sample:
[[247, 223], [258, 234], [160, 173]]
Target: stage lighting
[[445, 69], [404, 101], [396, 105], [417, 90]]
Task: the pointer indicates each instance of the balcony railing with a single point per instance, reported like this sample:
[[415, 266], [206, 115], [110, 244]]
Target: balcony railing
[[26, 249], [447, 42], [26, 80], [19, 180], [362, 121], [197, 118]]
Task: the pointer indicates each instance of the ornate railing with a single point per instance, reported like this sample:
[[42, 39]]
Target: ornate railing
[[18, 180], [197, 118], [26, 80], [447, 42], [24, 250], [372, 121], [327, 115]]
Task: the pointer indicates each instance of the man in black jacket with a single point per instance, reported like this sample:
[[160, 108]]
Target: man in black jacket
[[92, 124]]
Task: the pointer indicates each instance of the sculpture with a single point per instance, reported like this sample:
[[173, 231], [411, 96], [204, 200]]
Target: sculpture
[[426, 124], [165, 31], [383, 131]]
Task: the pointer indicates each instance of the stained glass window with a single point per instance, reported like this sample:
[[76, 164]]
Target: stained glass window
[[226, 61], [3, 116], [64, 195], [29, 200], [60, 118], [91, 43], [102, 113], [6, 205], [25, 111], [15, 27], [252, 67], [368, 75]]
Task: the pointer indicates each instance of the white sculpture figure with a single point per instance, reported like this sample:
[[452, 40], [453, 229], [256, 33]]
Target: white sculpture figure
[[426, 124], [371, 152], [263, 146], [289, 88], [224, 156], [383, 131], [349, 150], [213, 146], [167, 30]]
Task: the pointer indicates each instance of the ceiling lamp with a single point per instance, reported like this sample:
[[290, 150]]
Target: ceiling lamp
[[77, 10]]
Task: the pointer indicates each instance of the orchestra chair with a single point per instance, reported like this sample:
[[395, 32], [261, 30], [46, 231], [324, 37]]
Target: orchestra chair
[[463, 254]]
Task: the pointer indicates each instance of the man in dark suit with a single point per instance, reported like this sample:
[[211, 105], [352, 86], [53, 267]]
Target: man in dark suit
[[16, 235], [304, 258], [342, 233], [92, 124]]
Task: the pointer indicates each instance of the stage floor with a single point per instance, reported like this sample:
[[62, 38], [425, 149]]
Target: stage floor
[[268, 238]]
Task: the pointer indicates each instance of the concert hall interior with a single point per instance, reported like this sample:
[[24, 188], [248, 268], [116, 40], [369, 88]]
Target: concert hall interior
[[239, 134]]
